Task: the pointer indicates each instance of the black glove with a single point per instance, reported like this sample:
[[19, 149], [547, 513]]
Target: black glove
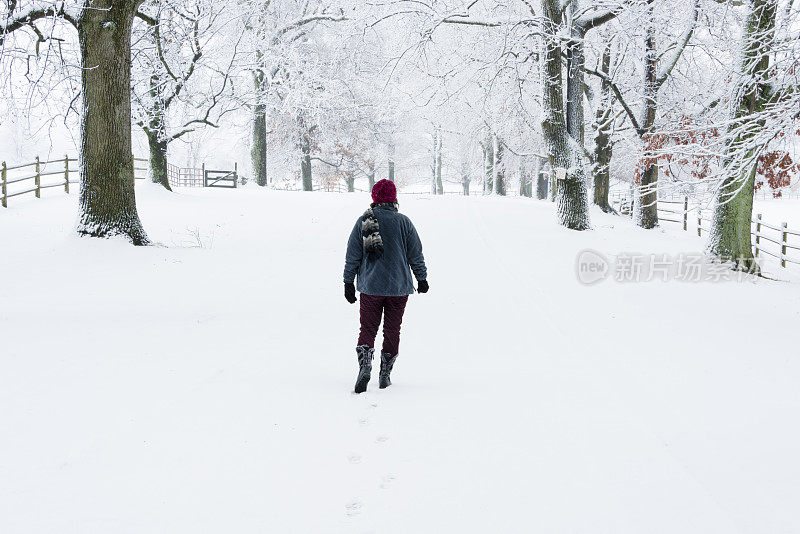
[[423, 286], [350, 293]]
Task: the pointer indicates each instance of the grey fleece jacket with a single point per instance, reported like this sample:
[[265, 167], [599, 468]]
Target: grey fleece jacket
[[389, 275]]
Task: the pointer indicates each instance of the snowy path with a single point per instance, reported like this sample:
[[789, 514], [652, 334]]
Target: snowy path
[[184, 389]]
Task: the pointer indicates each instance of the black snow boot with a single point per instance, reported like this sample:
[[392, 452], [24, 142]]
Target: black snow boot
[[365, 355], [387, 361]]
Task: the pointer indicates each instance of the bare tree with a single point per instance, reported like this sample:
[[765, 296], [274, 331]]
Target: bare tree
[[563, 124], [499, 167], [437, 187], [276, 29], [175, 52], [605, 117], [487, 147], [107, 199], [658, 67], [754, 100]]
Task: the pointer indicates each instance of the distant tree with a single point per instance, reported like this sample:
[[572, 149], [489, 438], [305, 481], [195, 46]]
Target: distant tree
[[437, 187], [391, 155], [466, 178], [658, 65], [173, 53], [500, 167], [279, 31], [541, 178], [525, 179], [487, 147]]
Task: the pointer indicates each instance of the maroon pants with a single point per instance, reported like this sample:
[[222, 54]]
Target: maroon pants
[[392, 308]]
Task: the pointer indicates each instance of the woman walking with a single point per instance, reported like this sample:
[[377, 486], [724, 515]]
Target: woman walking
[[382, 247]]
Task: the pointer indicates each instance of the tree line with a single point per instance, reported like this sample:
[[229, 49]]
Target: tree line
[[699, 96]]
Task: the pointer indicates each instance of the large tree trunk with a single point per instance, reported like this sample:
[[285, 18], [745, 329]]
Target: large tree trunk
[[305, 163], [730, 238], [572, 202], [602, 171], [500, 169], [107, 196], [730, 231], [603, 148], [554, 128], [645, 205], [575, 84], [156, 133], [158, 160], [646, 201], [258, 148], [258, 152]]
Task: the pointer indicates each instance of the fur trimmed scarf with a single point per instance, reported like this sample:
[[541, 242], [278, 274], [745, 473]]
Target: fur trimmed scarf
[[371, 232]]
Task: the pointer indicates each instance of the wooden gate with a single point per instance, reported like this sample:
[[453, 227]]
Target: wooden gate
[[220, 178], [191, 177], [184, 177]]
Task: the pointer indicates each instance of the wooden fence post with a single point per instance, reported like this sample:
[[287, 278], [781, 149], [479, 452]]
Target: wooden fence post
[[66, 174], [235, 174], [758, 233], [3, 184], [38, 179], [783, 246], [685, 213], [203, 173], [699, 222]]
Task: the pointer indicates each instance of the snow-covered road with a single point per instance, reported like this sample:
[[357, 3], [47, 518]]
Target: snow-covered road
[[207, 389]]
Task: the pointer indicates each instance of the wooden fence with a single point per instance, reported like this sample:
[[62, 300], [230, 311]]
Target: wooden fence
[[784, 194], [33, 178], [776, 236], [333, 187]]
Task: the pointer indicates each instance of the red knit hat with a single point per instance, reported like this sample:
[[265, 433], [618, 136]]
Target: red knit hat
[[384, 192]]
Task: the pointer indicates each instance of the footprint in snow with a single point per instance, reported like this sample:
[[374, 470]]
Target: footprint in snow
[[382, 439], [386, 482], [353, 508], [363, 421], [354, 458]]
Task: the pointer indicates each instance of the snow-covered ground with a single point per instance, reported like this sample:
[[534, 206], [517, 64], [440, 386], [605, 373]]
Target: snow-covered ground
[[204, 386]]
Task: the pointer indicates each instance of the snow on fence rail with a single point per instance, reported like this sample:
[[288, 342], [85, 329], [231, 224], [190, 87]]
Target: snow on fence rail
[[32, 178], [783, 194], [783, 243], [777, 236]]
